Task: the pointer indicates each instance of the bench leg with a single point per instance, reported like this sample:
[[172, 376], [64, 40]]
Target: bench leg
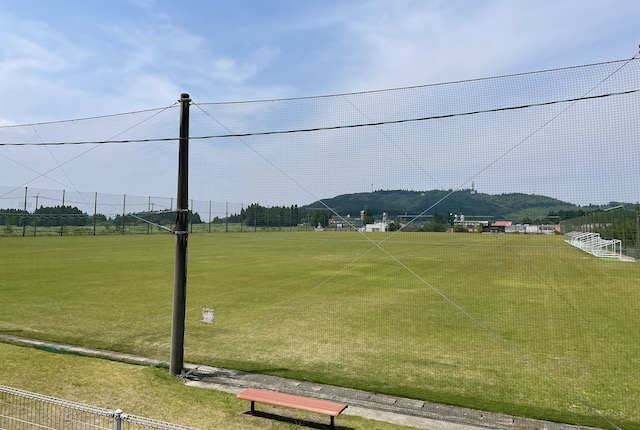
[[332, 426], [253, 409]]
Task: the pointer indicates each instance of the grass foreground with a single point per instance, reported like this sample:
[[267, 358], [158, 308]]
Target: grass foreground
[[519, 324], [145, 391]]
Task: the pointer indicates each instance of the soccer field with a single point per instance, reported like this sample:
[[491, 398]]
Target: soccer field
[[525, 325]]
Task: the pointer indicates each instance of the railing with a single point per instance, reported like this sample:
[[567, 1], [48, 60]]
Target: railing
[[594, 244], [21, 409]]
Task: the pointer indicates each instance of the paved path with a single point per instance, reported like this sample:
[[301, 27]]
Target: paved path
[[397, 410]]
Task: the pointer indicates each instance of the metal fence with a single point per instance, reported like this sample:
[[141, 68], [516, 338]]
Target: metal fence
[[46, 212], [23, 410]]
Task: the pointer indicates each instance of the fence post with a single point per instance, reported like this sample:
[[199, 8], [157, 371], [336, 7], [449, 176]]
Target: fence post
[[190, 219], [61, 216], [636, 240], [95, 212], [117, 419], [624, 230], [24, 217], [35, 217], [124, 207]]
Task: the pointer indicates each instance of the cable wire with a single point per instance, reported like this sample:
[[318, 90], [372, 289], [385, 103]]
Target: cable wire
[[315, 129]]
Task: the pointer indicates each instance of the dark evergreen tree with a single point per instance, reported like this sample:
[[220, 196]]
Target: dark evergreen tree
[[368, 217]]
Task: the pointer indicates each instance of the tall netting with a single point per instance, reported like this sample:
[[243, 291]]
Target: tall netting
[[403, 241]]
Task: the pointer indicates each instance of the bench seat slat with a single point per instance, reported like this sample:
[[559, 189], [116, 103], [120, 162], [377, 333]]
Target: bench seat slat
[[291, 401]]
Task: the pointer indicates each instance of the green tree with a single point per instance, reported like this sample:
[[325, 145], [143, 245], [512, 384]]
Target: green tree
[[319, 217], [13, 217], [61, 215], [276, 216], [394, 226], [436, 223], [368, 217]]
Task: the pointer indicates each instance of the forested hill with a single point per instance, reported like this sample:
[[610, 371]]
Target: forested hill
[[514, 206]]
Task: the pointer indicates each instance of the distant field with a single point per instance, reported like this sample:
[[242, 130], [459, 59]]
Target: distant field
[[520, 324]]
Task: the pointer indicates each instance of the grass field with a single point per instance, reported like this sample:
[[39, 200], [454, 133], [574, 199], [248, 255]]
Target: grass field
[[525, 325]]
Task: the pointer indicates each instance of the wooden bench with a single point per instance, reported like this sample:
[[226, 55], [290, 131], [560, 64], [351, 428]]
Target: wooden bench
[[307, 404]]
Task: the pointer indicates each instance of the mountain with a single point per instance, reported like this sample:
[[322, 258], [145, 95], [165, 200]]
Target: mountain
[[515, 207]]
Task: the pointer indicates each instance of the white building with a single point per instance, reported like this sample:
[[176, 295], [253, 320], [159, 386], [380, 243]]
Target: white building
[[381, 226]]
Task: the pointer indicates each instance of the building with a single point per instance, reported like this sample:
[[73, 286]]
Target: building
[[497, 227], [346, 223], [380, 226]]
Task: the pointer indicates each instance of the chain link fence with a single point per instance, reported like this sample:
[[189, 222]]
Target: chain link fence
[[30, 212], [24, 410]]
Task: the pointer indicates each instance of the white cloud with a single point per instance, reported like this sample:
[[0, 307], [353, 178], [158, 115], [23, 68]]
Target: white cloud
[[417, 42], [237, 71], [52, 73]]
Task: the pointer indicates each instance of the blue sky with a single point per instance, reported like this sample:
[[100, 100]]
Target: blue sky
[[71, 59]]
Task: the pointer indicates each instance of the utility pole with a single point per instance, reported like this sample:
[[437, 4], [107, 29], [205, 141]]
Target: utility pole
[[182, 234]]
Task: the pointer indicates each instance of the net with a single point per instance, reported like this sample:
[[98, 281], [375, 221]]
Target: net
[[352, 238]]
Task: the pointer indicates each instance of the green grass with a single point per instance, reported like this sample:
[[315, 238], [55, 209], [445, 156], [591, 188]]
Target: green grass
[[146, 391], [525, 325], [112, 229]]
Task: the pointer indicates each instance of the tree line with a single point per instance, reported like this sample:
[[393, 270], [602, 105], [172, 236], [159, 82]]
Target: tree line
[[256, 215], [53, 216]]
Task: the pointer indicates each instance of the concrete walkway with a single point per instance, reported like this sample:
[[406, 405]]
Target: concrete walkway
[[397, 410]]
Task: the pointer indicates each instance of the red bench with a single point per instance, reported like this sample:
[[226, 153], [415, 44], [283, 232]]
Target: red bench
[[307, 404]]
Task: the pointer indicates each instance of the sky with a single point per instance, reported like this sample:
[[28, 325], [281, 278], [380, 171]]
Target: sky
[[76, 59]]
